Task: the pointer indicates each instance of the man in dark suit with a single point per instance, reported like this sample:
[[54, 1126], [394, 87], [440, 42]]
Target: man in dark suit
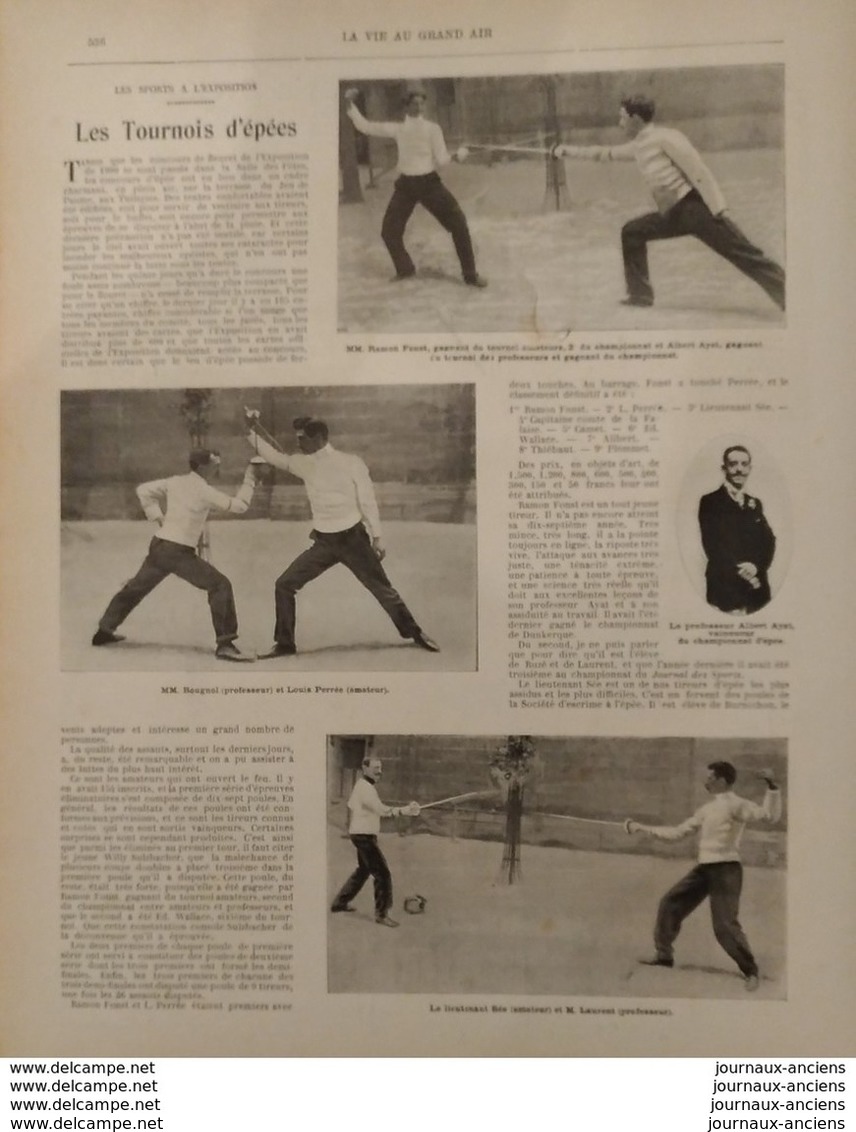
[[737, 540]]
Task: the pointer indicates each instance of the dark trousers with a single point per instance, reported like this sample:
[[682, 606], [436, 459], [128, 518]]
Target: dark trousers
[[432, 194], [370, 863], [720, 882], [353, 549], [165, 558], [691, 217]]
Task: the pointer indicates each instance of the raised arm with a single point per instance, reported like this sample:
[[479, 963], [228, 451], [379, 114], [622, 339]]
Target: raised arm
[[682, 152], [372, 129], [367, 501], [666, 832], [712, 528]]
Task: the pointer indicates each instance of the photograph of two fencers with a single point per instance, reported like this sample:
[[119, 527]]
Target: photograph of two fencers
[[592, 866], [302, 528], [625, 200]]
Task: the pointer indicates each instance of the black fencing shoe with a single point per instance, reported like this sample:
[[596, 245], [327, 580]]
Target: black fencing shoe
[[105, 637]]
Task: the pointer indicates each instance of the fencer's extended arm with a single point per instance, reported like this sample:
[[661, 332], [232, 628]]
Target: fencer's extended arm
[[669, 832], [596, 152], [682, 153], [366, 499], [369, 799]]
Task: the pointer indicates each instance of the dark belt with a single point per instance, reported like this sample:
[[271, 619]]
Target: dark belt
[[419, 178]]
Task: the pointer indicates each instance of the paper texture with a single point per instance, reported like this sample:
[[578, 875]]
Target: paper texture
[[403, 636]]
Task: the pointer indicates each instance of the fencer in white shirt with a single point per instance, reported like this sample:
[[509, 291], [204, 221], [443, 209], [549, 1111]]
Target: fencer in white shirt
[[689, 203], [718, 874], [179, 505], [421, 152], [366, 809]]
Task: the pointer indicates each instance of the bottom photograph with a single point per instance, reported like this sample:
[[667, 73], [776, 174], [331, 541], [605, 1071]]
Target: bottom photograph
[[526, 864]]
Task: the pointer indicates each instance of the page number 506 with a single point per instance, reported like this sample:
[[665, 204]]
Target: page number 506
[[96, 41]]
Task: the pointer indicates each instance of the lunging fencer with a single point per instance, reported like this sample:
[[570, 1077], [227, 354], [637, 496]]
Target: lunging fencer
[[365, 809], [689, 203], [718, 875], [421, 152], [180, 506], [346, 530]]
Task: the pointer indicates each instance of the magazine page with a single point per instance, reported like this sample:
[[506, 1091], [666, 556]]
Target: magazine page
[[426, 467]]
